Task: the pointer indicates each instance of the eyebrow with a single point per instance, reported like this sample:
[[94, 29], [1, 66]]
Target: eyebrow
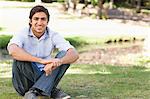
[[39, 18]]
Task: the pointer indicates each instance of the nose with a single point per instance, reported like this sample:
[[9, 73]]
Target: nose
[[39, 22]]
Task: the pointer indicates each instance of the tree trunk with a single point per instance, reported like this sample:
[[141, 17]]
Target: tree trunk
[[111, 4], [138, 6], [100, 7]]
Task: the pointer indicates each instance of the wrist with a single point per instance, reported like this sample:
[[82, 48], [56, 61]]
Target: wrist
[[39, 60], [61, 61]]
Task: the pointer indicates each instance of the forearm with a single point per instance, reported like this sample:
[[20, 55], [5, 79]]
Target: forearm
[[70, 57], [19, 54]]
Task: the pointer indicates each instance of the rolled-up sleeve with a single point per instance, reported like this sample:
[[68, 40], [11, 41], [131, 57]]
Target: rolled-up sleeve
[[60, 42], [16, 39]]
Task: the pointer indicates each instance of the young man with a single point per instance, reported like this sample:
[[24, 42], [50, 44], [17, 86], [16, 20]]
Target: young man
[[34, 71]]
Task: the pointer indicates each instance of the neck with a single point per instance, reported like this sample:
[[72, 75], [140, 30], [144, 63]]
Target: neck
[[38, 35]]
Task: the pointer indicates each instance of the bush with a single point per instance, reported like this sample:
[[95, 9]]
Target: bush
[[76, 41], [27, 0], [21, 0], [82, 41], [4, 40]]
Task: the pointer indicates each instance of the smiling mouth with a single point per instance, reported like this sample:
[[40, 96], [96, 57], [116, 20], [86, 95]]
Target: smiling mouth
[[39, 27]]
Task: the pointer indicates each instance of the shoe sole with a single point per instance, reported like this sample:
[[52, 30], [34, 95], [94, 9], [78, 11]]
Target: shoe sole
[[67, 97]]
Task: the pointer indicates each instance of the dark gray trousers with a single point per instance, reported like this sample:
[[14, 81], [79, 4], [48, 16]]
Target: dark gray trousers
[[26, 76]]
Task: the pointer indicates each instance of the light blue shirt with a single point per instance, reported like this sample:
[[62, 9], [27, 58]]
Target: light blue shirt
[[42, 47]]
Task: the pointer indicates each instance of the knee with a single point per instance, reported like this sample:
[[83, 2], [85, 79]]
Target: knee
[[61, 54], [20, 64]]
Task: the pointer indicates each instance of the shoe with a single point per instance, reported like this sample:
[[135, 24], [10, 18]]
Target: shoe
[[31, 94], [59, 94]]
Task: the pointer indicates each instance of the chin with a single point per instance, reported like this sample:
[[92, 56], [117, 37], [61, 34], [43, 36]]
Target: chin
[[40, 31]]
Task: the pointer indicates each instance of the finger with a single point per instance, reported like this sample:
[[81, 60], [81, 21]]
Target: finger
[[59, 62], [55, 64], [54, 67], [45, 69], [46, 74]]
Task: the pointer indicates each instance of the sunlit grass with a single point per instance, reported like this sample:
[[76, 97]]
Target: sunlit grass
[[94, 82], [90, 69], [5, 71], [129, 82]]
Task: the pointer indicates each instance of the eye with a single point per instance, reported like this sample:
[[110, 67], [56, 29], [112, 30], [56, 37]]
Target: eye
[[36, 18], [43, 19]]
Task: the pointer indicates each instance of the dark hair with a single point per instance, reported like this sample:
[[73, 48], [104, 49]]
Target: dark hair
[[38, 8]]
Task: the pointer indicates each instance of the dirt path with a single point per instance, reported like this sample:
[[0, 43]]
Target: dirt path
[[114, 56], [121, 56]]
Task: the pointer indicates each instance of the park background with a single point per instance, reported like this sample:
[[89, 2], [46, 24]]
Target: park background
[[109, 36]]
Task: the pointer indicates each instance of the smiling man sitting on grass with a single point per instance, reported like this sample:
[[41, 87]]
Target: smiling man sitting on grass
[[34, 71]]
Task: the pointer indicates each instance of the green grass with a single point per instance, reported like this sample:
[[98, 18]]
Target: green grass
[[91, 81], [4, 39], [95, 82]]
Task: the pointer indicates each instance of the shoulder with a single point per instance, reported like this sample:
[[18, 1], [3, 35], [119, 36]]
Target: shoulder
[[23, 32], [51, 32]]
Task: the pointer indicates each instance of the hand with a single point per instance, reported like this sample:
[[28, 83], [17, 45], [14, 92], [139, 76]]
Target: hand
[[44, 61], [53, 64], [56, 62], [48, 68]]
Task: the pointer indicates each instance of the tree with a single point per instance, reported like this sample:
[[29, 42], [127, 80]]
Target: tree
[[100, 7], [138, 6], [111, 4]]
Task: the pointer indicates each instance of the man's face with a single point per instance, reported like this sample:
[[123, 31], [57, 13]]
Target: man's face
[[39, 23]]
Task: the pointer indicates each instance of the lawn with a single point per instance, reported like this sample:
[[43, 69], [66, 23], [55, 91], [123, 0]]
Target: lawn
[[93, 82], [84, 81]]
